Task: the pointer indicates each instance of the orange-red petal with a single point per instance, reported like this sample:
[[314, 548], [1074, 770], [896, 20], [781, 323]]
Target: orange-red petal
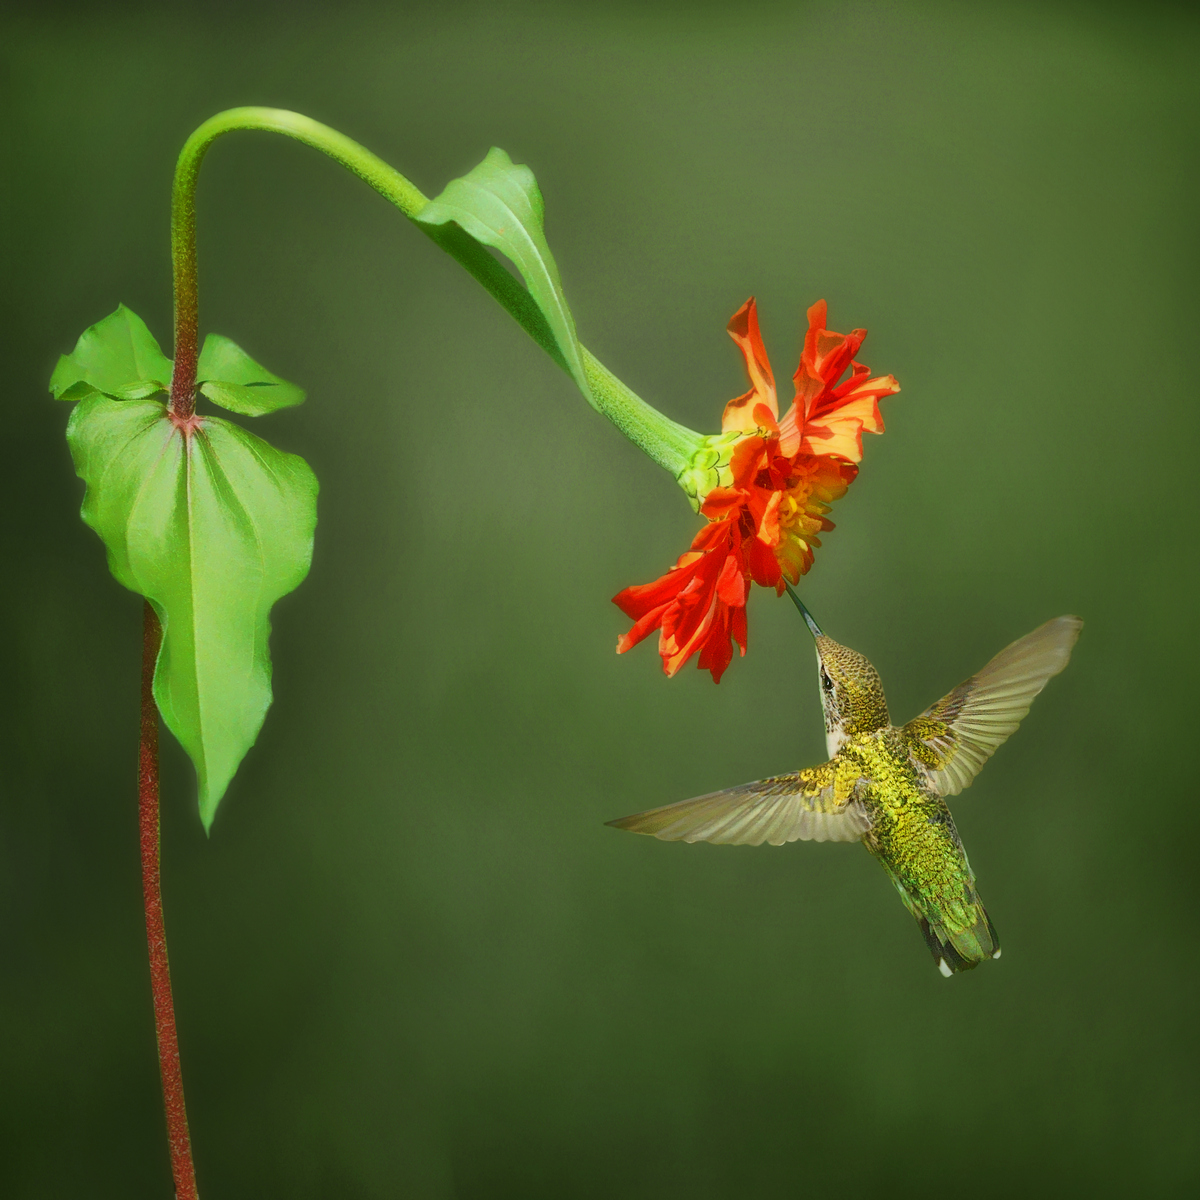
[[692, 604], [839, 430], [740, 415], [827, 417], [825, 356]]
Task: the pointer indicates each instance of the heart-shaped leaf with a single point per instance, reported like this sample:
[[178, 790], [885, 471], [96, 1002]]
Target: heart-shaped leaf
[[117, 356], [212, 525], [228, 376], [499, 204]]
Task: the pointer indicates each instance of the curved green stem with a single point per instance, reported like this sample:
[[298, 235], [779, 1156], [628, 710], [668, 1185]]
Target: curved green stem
[[670, 445]]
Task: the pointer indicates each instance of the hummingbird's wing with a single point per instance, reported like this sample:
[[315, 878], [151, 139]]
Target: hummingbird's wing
[[803, 806], [952, 739]]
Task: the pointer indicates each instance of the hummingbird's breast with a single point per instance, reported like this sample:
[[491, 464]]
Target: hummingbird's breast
[[912, 832]]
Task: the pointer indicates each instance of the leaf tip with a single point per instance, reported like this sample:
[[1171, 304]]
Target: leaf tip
[[59, 382], [208, 800]]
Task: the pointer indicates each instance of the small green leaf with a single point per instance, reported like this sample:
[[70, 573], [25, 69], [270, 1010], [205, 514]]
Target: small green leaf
[[228, 376], [117, 357], [212, 527], [500, 205]]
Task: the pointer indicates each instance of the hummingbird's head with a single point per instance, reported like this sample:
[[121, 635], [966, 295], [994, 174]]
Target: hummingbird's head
[[851, 693], [851, 690]]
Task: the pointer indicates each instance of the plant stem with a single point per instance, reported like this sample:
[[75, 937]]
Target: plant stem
[[156, 933], [670, 445]]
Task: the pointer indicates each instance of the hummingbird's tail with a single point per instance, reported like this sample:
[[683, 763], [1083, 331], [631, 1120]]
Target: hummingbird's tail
[[954, 952], [953, 949]]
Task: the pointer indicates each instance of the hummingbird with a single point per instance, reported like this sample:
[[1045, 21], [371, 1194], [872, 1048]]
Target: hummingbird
[[886, 785]]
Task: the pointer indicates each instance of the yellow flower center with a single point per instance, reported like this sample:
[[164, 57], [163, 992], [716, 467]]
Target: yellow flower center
[[815, 484]]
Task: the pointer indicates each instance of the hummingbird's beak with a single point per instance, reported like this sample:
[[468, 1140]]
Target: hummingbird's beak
[[814, 628]]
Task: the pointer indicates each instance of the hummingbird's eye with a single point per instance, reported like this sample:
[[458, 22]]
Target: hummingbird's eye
[[826, 682]]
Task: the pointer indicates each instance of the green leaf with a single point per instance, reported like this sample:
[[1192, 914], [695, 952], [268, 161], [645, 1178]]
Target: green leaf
[[228, 376], [212, 527], [500, 205], [118, 357]]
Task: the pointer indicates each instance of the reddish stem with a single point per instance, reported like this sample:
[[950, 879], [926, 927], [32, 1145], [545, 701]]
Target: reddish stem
[[156, 933]]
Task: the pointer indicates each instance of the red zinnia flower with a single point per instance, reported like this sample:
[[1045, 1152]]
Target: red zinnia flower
[[775, 480]]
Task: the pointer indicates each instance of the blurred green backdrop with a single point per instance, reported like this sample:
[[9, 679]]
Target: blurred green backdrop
[[411, 961]]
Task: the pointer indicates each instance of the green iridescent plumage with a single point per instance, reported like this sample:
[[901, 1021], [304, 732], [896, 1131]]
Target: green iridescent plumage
[[886, 785]]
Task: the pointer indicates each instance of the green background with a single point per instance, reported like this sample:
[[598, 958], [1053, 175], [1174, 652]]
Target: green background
[[411, 961]]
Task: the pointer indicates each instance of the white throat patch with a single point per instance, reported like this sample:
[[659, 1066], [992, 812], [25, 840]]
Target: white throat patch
[[835, 732], [835, 735]]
